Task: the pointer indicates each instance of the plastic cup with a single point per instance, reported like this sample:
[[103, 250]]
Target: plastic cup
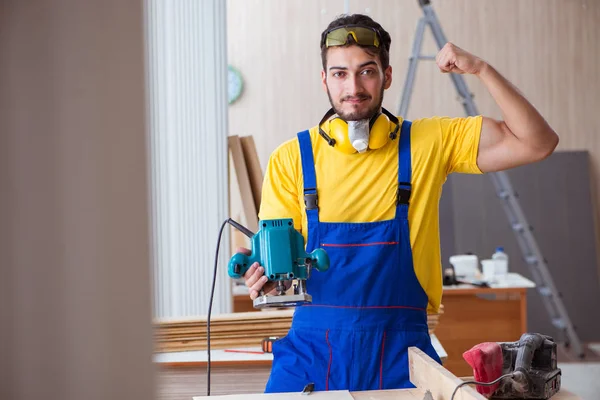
[[489, 269]]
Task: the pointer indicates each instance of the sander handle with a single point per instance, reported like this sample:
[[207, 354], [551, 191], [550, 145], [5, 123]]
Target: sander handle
[[529, 343]]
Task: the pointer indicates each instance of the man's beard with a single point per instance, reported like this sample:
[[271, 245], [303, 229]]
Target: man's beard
[[358, 115]]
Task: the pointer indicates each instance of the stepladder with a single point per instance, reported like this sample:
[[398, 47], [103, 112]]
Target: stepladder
[[523, 231]]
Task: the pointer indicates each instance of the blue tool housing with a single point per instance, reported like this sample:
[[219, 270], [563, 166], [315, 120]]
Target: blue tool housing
[[279, 248]]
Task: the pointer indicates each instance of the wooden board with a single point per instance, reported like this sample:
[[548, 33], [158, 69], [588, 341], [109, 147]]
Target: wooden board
[[255, 173], [333, 395], [243, 179], [565, 395], [227, 330], [185, 383], [427, 374], [230, 330], [243, 303], [402, 394]]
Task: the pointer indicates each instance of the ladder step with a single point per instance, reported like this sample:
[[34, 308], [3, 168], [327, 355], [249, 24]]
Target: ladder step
[[545, 291], [503, 194], [559, 323], [531, 260], [518, 227]]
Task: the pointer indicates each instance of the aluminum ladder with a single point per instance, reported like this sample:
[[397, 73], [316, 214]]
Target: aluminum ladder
[[523, 231]]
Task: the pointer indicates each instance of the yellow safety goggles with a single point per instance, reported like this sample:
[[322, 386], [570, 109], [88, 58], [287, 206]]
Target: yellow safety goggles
[[361, 35]]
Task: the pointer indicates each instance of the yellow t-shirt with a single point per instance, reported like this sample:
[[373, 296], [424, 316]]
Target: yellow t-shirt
[[361, 187]]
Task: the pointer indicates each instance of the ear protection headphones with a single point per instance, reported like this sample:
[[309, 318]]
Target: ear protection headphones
[[335, 130]]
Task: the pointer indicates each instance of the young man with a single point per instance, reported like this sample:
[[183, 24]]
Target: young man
[[365, 186]]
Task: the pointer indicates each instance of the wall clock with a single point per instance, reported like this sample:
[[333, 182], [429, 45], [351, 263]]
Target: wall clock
[[235, 84]]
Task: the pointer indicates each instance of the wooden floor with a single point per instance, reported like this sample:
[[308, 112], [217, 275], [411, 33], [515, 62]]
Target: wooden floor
[[179, 383]]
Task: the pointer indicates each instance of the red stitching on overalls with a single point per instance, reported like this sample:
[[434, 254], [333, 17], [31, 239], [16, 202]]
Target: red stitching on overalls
[[381, 362], [357, 244], [330, 357]]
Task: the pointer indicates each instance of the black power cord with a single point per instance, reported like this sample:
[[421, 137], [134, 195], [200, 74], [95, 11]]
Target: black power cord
[[246, 232], [480, 383]]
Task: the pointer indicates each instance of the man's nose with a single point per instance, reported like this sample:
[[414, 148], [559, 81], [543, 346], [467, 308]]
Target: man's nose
[[353, 85]]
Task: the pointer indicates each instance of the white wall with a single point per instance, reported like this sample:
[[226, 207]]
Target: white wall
[[187, 82]]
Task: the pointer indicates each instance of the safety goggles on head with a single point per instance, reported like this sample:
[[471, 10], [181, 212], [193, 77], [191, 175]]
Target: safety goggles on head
[[362, 35]]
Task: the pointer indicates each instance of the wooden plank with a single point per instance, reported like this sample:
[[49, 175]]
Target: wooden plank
[[232, 317], [240, 318], [394, 394], [176, 383], [243, 303], [331, 395], [426, 374], [227, 330], [255, 172], [399, 394], [565, 395], [241, 172], [279, 322]]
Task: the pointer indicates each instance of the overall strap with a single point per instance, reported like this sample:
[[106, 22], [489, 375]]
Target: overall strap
[[310, 178], [404, 171]]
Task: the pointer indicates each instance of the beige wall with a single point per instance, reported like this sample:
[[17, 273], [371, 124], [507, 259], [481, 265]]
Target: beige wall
[[548, 48]]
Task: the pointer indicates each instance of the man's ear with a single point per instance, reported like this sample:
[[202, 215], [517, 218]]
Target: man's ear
[[324, 80], [387, 76]]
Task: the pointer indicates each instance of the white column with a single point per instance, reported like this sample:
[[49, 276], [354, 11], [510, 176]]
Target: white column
[[187, 82], [75, 300]]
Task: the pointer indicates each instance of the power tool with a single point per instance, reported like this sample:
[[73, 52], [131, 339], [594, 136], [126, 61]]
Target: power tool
[[529, 366], [279, 249], [532, 360]]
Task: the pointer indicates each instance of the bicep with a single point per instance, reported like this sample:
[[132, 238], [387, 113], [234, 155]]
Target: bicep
[[500, 149]]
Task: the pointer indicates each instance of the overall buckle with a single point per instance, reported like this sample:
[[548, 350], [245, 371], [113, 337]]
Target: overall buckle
[[403, 193], [311, 200]]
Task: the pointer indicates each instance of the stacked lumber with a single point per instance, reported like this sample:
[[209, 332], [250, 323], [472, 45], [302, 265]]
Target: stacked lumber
[[246, 329]]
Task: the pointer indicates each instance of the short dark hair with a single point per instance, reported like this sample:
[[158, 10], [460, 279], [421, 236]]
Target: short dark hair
[[383, 51]]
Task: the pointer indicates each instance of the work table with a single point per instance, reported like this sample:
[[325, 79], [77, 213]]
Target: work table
[[398, 394], [239, 356], [474, 315], [425, 374]]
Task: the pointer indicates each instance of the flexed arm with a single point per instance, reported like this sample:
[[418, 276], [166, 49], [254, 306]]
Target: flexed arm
[[523, 136]]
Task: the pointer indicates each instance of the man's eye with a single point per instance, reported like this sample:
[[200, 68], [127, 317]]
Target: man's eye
[[367, 72], [338, 74]]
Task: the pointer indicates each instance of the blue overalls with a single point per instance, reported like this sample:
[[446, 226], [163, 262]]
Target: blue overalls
[[367, 309]]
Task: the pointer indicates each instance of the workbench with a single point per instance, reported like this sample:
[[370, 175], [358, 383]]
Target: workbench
[[474, 315], [241, 373], [426, 374], [234, 371], [400, 394], [253, 356]]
